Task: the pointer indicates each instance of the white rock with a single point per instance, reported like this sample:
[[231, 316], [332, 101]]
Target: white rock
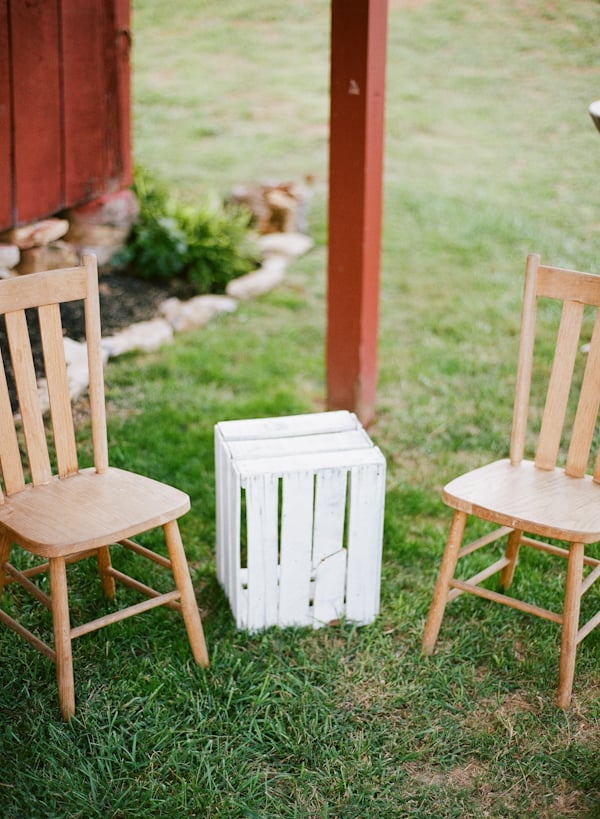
[[258, 282], [143, 336], [77, 372], [286, 244], [196, 312], [61, 254], [47, 257], [9, 256], [102, 240], [77, 366], [42, 389], [275, 264], [75, 351], [38, 233]]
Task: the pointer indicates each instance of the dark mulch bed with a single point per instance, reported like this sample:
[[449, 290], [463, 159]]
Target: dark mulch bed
[[124, 300]]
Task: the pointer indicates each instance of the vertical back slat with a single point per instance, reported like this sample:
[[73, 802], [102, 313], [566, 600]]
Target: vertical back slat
[[27, 393], [95, 366], [10, 455], [58, 389], [587, 410], [525, 363], [560, 385]]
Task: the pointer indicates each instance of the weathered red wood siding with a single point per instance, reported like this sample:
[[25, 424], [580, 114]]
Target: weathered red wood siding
[[5, 118], [64, 104]]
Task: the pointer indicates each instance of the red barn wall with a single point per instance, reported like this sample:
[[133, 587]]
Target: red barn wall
[[64, 104]]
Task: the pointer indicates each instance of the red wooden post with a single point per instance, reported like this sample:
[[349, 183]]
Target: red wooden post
[[358, 51]]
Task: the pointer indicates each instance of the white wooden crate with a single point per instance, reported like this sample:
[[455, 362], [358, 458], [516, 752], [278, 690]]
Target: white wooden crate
[[300, 503]]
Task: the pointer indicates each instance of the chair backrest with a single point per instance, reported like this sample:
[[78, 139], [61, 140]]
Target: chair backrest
[[575, 290], [44, 293]]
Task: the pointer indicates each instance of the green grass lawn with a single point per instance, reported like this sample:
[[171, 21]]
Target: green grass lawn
[[490, 154]]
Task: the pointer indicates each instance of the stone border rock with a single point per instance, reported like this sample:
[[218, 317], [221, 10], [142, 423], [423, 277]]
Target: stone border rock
[[175, 316]]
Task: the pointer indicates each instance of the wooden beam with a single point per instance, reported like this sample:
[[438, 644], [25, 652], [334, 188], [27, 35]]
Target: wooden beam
[[358, 56]]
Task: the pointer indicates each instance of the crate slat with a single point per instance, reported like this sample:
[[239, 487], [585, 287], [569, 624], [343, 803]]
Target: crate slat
[[364, 547], [316, 423], [261, 513], [330, 512], [330, 587], [296, 547]]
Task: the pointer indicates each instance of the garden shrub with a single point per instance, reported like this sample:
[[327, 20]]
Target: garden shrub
[[206, 245]]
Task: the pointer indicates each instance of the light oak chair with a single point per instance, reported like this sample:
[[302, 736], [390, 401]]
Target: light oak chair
[[538, 498], [56, 510]]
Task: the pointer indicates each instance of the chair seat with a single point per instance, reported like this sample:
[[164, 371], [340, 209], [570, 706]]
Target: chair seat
[[87, 510], [547, 503]]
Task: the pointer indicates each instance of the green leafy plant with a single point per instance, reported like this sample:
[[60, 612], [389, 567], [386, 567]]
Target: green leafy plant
[[206, 246], [218, 245]]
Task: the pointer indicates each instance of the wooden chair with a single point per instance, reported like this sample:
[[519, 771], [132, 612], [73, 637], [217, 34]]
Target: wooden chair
[[56, 510], [538, 497]]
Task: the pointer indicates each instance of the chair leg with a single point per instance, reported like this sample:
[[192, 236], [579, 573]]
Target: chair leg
[[104, 563], [446, 573], [4, 555], [570, 626], [183, 581], [62, 636], [511, 553]]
